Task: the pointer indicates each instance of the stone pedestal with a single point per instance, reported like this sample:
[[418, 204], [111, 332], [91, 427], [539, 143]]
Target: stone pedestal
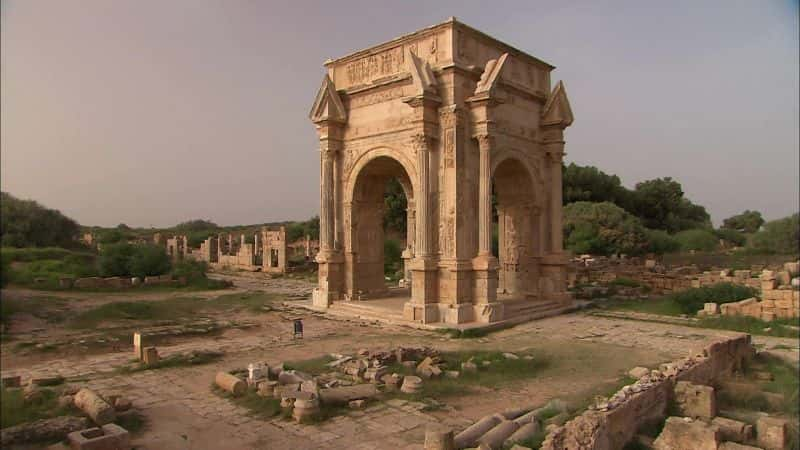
[[423, 304], [330, 277]]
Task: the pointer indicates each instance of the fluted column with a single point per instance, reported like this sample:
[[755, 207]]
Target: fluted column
[[327, 209], [485, 196], [422, 200], [556, 208]]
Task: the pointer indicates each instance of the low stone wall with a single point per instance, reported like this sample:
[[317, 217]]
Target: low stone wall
[[610, 425], [118, 282]]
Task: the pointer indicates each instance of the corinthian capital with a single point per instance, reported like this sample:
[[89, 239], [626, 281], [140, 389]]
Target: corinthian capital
[[328, 148], [555, 157], [485, 141], [419, 142]]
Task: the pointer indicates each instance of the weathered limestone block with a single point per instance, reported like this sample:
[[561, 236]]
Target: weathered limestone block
[[108, 437], [231, 383], [792, 267], [524, 432], [638, 372], [683, 434], [735, 446], [306, 406], [151, 356], [495, 437], [733, 430], [266, 388], [293, 377], [695, 401], [345, 394], [771, 433], [783, 277], [439, 439], [411, 384], [54, 429], [711, 308], [94, 406], [471, 434], [12, 382]]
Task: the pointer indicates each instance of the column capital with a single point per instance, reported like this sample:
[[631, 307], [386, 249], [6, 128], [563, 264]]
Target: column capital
[[486, 141], [555, 156], [421, 141], [328, 148]]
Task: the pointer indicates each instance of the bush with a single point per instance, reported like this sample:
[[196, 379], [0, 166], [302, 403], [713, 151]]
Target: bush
[[660, 242], [697, 239], [190, 269], [148, 260], [778, 236], [392, 257], [26, 223], [123, 259], [691, 300], [731, 236], [602, 228]]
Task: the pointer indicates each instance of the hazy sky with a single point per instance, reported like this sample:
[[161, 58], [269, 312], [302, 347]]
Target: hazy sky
[[154, 112]]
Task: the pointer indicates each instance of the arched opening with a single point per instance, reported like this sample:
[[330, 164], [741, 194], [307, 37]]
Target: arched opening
[[382, 221], [515, 223]]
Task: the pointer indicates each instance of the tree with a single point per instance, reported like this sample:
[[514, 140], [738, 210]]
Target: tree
[[395, 204], [778, 236], [697, 239], [148, 260], [602, 228], [660, 204], [746, 222], [196, 225], [26, 223], [114, 260], [590, 184]]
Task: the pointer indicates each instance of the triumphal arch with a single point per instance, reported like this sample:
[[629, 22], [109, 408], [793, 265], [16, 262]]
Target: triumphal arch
[[468, 125]]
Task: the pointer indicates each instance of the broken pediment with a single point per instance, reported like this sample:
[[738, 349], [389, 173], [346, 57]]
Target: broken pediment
[[557, 110], [422, 75], [327, 104], [491, 75]]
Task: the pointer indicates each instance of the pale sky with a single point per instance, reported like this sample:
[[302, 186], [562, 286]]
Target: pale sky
[[154, 112]]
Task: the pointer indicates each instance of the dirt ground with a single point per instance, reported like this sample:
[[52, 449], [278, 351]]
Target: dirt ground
[[585, 355]]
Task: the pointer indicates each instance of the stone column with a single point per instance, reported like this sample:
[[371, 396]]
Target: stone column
[[408, 252], [422, 244], [556, 208], [327, 210], [422, 306], [485, 196]]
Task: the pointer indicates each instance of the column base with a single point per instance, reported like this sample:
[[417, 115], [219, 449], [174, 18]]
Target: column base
[[321, 298], [329, 265], [456, 314], [489, 312], [485, 270], [424, 281], [424, 313]]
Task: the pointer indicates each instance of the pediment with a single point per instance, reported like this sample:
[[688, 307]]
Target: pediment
[[557, 110], [491, 75], [422, 75], [327, 104]]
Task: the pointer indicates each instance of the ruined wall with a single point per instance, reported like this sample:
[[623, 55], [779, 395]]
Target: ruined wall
[[612, 424]]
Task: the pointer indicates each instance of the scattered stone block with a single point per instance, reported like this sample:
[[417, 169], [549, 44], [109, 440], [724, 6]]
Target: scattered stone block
[[771, 433], [732, 430], [357, 404], [231, 383], [682, 433], [108, 437], [306, 406], [12, 382], [452, 373], [495, 437], [510, 356], [293, 377], [53, 429], [439, 439], [138, 345], [471, 434], [696, 401], [343, 395], [151, 356], [256, 372], [66, 401], [94, 406], [735, 446], [639, 372], [411, 384], [524, 432], [122, 404], [469, 366], [711, 308], [266, 388]]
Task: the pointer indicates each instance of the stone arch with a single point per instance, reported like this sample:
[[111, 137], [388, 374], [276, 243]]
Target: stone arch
[[377, 152], [519, 197], [363, 216], [534, 170]]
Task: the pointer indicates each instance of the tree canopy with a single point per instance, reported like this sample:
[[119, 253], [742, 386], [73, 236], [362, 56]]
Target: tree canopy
[[26, 223], [602, 228], [746, 222]]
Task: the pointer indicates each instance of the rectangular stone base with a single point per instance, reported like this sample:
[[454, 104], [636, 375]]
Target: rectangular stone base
[[489, 312], [423, 313], [321, 298]]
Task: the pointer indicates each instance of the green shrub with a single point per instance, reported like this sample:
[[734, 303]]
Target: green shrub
[[26, 223], [778, 236], [392, 257], [691, 300], [148, 260], [190, 269], [731, 236], [697, 239], [123, 259], [602, 228], [660, 242]]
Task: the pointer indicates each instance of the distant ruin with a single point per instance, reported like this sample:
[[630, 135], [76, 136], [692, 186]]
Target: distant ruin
[[266, 253]]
